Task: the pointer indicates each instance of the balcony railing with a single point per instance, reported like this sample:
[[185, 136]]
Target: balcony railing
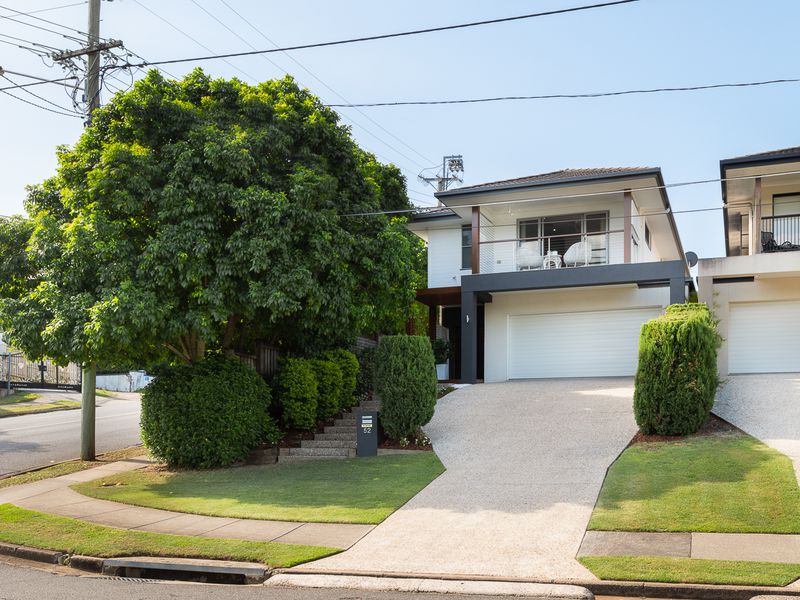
[[780, 234], [548, 252]]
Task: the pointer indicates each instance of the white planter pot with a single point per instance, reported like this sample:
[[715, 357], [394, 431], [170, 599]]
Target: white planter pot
[[441, 372]]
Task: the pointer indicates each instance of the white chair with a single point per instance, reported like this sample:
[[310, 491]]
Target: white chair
[[579, 254], [528, 256]]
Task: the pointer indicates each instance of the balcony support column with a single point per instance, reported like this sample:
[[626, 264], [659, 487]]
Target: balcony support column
[[627, 234], [476, 239], [469, 336], [755, 237]]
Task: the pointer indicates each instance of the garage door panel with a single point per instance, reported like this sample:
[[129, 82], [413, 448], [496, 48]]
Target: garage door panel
[[764, 337], [584, 344]]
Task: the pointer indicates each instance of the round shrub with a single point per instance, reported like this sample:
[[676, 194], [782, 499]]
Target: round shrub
[[348, 364], [329, 387], [297, 393], [405, 380], [207, 414], [676, 379], [365, 379]]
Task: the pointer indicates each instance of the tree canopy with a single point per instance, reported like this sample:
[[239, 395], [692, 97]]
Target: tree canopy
[[205, 213]]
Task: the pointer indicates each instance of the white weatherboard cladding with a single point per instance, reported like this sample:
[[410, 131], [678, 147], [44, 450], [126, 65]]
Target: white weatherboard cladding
[[555, 306], [582, 344], [764, 337], [444, 257]]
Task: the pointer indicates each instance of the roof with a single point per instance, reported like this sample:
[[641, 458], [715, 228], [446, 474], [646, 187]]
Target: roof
[[770, 155], [553, 177]]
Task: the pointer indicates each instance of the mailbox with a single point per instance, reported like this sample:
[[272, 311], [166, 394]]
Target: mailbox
[[367, 434]]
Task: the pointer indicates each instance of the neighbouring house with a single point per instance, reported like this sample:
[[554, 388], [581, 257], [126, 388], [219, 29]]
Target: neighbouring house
[[550, 275], [755, 290]]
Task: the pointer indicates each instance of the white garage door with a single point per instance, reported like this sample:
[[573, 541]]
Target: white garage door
[[764, 337], [582, 344]]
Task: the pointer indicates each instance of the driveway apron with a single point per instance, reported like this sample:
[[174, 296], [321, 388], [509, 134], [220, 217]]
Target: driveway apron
[[525, 461], [767, 407]]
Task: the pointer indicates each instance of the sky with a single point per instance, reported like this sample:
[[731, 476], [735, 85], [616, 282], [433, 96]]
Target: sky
[[650, 43]]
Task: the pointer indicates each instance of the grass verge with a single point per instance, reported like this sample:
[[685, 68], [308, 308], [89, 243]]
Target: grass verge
[[690, 570], [17, 398], [71, 466], [730, 483], [361, 490], [40, 530], [13, 410]]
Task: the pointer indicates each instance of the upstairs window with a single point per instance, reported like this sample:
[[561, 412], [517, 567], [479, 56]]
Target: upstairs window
[[466, 247], [647, 236]]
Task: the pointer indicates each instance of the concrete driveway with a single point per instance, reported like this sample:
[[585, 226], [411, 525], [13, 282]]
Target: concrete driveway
[[525, 462], [767, 407]]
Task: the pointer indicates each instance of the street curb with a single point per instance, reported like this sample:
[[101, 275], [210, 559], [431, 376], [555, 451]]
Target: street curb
[[86, 563], [35, 554], [61, 462], [633, 589], [40, 412]]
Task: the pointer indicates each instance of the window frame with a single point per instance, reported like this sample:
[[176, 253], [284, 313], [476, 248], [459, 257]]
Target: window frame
[[466, 259], [540, 220]]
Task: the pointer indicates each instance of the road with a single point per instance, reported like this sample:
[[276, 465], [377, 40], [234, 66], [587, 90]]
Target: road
[[37, 440], [20, 580]]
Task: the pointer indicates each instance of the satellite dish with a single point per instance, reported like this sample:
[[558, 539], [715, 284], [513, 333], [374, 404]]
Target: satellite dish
[[691, 258]]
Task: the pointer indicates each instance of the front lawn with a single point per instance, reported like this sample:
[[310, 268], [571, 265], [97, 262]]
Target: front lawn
[[359, 490], [730, 483], [690, 570], [40, 530]]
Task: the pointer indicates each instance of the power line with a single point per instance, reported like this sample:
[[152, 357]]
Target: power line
[[30, 93], [41, 10], [387, 35], [182, 32], [561, 96], [66, 114], [35, 83], [326, 85], [53, 31], [429, 209], [30, 15]]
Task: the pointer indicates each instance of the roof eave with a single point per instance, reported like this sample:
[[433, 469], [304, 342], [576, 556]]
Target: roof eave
[[655, 171]]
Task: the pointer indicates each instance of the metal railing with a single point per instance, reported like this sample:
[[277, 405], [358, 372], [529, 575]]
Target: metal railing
[[547, 252], [780, 234]]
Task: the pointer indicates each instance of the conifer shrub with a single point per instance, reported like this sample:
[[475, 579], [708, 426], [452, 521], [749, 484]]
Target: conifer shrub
[[329, 388], [297, 393], [676, 379]]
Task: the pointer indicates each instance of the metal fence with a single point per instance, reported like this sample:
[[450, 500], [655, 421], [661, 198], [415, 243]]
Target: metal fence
[[17, 371], [779, 234]]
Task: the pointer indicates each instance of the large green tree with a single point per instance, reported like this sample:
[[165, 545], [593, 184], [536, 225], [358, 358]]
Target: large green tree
[[206, 212]]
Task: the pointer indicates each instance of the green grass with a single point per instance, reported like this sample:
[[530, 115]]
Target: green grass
[[40, 530], [13, 410], [359, 490], [17, 398], [715, 484], [690, 570], [71, 466], [105, 393]]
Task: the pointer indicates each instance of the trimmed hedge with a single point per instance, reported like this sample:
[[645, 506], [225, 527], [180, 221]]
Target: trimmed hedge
[[206, 414], [297, 393], [329, 387], [405, 379], [676, 379], [348, 364]]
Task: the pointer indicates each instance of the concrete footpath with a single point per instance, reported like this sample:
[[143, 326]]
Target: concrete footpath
[[54, 496], [757, 547]]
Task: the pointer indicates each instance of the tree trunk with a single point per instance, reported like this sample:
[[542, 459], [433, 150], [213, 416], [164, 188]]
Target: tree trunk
[[88, 385]]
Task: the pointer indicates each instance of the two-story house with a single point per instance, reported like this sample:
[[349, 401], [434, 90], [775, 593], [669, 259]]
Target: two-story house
[[755, 290], [551, 275]]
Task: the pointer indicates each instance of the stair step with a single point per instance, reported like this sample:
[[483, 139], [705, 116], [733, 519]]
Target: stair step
[[315, 443], [340, 429], [285, 458], [344, 423], [319, 452], [351, 436]]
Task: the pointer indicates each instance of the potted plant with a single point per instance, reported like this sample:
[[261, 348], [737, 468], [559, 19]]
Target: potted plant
[[441, 353]]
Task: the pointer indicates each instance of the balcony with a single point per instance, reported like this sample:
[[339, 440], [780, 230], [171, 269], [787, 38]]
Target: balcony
[[550, 252], [781, 233]]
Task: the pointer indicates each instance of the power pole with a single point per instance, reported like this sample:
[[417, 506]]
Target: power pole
[[452, 172], [93, 72]]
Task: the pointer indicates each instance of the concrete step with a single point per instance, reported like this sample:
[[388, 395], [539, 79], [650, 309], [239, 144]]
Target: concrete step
[[285, 458], [315, 443], [351, 436], [371, 406], [319, 452], [340, 429]]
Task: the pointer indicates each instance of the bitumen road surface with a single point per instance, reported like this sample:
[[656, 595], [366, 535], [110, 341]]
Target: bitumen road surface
[[22, 580], [37, 440]]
